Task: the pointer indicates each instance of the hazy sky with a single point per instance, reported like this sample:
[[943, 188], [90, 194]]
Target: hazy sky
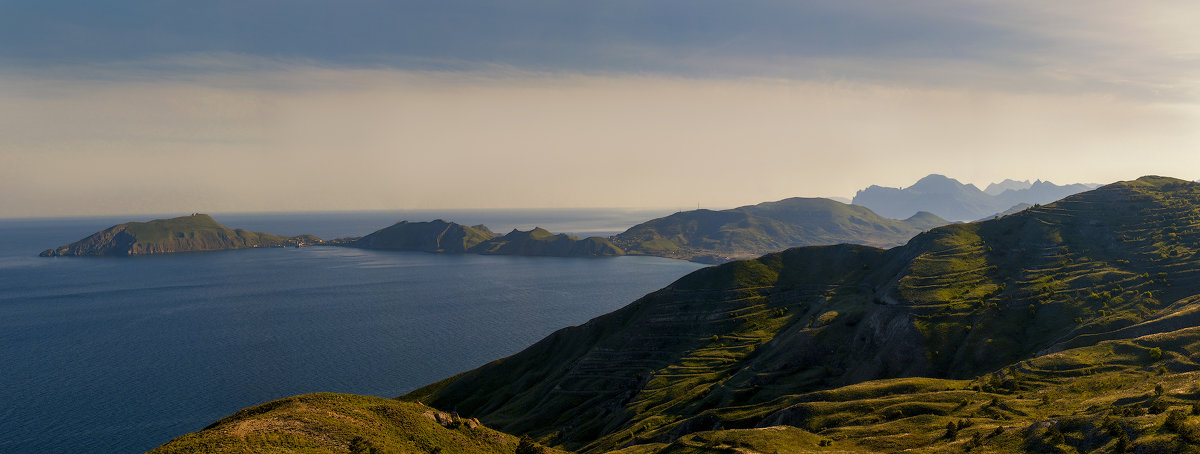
[[124, 107]]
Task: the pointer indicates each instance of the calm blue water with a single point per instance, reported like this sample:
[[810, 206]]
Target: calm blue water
[[123, 354]]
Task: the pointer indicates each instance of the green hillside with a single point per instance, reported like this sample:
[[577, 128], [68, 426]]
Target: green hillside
[[749, 231], [342, 423], [541, 242], [433, 236], [1065, 326], [198, 232]]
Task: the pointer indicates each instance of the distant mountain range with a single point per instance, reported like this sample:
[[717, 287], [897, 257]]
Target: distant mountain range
[[881, 217], [749, 231], [950, 199]]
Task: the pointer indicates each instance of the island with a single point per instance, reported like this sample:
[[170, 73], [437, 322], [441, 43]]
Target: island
[[194, 233], [441, 236]]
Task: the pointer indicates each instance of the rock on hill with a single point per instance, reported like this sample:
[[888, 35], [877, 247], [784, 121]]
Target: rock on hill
[[198, 232], [950, 199], [1068, 327], [450, 237], [749, 231]]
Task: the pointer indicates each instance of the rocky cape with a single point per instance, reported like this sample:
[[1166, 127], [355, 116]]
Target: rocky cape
[[198, 232]]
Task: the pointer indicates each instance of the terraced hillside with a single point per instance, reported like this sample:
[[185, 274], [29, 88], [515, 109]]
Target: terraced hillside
[[746, 232], [1050, 324]]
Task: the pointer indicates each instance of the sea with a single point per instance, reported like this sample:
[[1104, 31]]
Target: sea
[[122, 354]]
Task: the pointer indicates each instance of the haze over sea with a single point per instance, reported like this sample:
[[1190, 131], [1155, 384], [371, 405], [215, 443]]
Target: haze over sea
[[123, 354]]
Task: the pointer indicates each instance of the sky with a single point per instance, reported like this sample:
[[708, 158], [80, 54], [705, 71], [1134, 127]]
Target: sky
[[126, 107]]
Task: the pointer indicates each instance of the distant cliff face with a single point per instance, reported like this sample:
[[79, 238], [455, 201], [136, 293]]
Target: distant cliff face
[[750, 231], [950, 199], [986, 305], [198, 232], [449, 237]]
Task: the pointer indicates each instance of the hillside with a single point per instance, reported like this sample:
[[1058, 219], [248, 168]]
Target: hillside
[[448, 237], [433, 236], [950, 199], [326, 422], [198, 232], [749, 231], [1066, 327], [540, 242]]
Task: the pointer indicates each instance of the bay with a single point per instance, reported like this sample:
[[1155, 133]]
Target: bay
[[123, 354]]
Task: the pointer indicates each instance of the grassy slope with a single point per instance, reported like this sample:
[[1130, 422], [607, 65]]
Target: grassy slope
[[757, 229], [730, 346], [340, 423]]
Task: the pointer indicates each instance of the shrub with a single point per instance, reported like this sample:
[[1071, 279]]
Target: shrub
[[1156, 354], [951, 431], [1175, 420], [527, 446], [1156, 407]]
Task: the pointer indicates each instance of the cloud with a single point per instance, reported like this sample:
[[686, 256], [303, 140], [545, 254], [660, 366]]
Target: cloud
[[1135, 49], [134, 107], [318, 138]]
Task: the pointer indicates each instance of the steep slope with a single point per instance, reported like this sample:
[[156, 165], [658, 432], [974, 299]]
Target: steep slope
[[198, 232], [433, 236], [540, 242], [340, 423], [950, 199], [749, 231], [747, 343]]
